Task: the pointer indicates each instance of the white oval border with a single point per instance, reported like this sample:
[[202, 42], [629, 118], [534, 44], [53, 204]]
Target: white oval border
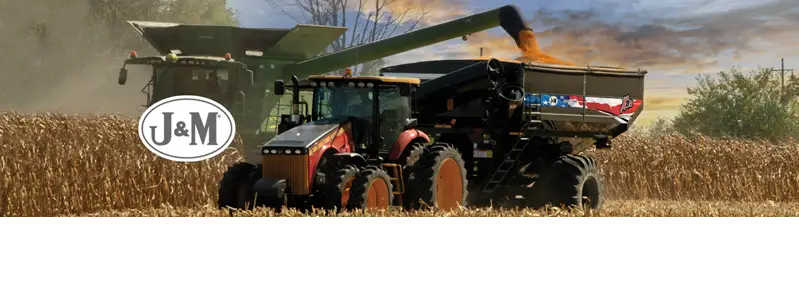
[[195, 98]]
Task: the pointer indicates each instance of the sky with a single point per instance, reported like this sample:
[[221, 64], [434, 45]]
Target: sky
[[674, 40]]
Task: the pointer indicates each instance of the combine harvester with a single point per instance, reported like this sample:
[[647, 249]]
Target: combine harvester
[[247, 61], [475, 132]]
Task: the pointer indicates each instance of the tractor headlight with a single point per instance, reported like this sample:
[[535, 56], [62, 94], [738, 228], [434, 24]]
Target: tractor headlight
[[265, 151], [288, 151], [298, 151], [273, 151]]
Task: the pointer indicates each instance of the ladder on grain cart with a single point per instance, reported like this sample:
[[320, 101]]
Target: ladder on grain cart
[[531, 126]]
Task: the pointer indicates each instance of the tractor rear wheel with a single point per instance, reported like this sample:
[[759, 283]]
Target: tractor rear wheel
[[339, 187], [235, 188], [439, 179], [408, 160], [572, 180], [371, 190]]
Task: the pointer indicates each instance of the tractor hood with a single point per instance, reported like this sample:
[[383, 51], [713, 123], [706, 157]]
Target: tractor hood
[[301, 137]]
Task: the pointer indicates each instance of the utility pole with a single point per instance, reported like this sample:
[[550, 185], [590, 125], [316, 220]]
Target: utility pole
[[782, 71]]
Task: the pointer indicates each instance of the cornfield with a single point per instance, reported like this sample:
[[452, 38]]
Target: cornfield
[[63, 165]]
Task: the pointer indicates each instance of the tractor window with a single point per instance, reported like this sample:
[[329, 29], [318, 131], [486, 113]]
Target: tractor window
[[395, 109], [338, 102]]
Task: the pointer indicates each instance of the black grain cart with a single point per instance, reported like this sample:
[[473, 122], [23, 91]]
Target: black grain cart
[[521, 126]]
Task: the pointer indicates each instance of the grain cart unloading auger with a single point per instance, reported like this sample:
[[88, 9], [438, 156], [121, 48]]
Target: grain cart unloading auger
[[247, 61]]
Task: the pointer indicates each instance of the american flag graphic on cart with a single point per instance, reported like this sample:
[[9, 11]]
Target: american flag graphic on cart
[[624, 106]]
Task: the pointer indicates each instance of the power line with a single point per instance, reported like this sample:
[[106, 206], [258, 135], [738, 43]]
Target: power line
[[782, 71]]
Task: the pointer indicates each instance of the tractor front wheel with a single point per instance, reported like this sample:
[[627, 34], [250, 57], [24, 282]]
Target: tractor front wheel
[[338, 192], [235, 188], [439, 178], [371, 190], [408, 161]]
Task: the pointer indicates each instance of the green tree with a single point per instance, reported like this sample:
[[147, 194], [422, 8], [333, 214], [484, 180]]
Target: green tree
[[660, 127], [735, 104], [112, 15]]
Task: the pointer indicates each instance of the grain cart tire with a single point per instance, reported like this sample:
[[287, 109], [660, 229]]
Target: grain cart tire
[[572, 180], [339, 187], [235, 188], [371, 190], [408, 160], [439, 178]]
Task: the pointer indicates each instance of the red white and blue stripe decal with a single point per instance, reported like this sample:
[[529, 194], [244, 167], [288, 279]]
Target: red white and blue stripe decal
[[623, 107]]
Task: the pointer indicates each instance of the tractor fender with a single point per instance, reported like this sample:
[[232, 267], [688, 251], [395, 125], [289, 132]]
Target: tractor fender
[[270, 187], [403, 140], [350, 159]]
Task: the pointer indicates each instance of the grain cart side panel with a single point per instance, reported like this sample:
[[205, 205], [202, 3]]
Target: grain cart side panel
[[585, 101]]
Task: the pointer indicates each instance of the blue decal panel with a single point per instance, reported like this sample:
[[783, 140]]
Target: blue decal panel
[[545, 100]]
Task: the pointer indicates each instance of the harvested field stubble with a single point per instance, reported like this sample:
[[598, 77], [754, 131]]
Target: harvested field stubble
[[614, 208], [53, 164]]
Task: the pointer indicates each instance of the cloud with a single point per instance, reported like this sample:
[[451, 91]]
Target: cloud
[[429, 11], [694, 42], [662, 103]]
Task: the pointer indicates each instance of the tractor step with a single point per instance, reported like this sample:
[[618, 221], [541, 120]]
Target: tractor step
[[395, 177]]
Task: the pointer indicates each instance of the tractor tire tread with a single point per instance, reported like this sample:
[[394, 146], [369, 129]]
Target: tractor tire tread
[[422, 179], [562, 182], [232, 179], [360, 186], [336, 186]]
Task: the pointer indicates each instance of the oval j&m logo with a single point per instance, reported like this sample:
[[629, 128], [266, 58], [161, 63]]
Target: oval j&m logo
[[187, 128]]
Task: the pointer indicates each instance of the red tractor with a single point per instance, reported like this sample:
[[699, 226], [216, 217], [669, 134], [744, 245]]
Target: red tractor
[[357, 148]]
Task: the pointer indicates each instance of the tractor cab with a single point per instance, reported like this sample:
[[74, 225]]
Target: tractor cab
[[376, 109]]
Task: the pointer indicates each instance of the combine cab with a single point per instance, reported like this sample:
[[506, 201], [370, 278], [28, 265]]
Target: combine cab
[[358, 149]]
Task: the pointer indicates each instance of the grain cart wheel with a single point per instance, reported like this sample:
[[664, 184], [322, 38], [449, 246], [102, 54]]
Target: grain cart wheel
[[338, 191], [371, 190], [408, 160], [572, 180], [439, 178], [235, 189]]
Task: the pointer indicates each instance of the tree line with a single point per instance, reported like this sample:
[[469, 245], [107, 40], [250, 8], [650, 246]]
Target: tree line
[[738, 104]]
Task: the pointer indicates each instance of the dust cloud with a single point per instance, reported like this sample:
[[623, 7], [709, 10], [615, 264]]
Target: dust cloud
[[56, 59]]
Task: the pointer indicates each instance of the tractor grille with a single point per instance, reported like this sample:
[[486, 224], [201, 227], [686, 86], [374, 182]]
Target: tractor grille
[[292, 168]]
